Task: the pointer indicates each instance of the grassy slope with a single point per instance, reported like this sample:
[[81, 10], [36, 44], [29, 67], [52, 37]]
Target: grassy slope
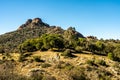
[[50, 58]]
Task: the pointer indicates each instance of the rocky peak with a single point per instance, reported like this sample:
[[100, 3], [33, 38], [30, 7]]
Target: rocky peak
[[28, 21], [33, 23], [37, 20]]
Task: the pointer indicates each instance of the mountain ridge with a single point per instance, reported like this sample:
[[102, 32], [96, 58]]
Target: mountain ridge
[[32, 28]]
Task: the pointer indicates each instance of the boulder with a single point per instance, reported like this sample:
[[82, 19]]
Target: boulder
[[37, 21], [28, 21]]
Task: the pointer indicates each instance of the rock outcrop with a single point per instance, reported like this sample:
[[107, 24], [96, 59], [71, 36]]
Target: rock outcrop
[[28, 21], [36, 22]]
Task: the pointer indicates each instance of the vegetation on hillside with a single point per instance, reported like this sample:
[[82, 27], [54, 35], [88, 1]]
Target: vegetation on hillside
[[10, 41], [66, 61], [59, 42]]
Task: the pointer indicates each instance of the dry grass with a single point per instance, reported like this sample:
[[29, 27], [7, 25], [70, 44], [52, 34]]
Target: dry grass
[[23, 68]]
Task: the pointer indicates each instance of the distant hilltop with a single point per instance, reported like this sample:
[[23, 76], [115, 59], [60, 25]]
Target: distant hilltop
[[32, 23]]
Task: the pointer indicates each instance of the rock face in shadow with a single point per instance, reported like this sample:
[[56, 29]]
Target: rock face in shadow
[[36, 22], [28, 21]]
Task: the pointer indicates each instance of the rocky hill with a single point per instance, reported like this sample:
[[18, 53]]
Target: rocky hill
[[32, 28], [44, 52], [37, 22]]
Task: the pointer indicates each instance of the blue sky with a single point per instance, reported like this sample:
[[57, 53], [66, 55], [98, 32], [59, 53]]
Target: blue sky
[[99, 18]]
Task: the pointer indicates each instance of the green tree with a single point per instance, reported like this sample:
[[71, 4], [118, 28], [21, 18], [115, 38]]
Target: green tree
[[67, 53], [100, 48], [100, 45], [91, 47], [109, 47], [46, 41], [82, 43], [53, 41], [117, 53], [39, 44], [27, 46]]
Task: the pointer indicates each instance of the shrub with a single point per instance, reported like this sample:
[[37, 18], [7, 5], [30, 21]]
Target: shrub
[[68, 66], [104, 75], [77, 74], [111, 56], [101, 62], [90, 62], [117, 53], [78, 49], [43, 49], [67, 53], [21, 58], [37, 59], [45, 65]]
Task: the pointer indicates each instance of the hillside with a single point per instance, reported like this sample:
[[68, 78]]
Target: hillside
[[38, 51], [31, 29], [51, 66]]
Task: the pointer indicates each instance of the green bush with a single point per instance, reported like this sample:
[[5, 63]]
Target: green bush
[[23, 56], [101, 62], [68, 66], [43, 49], [90, 62], [111, 56], [78, 49], [116, 53], [104, 75], [45, 65], [37, 59], [67, 53]]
